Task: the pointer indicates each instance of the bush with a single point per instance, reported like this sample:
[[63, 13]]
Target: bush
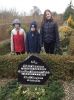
[[5, 47], [70, 22], [62, 67], [65, 31], [65, 42], [4, 32], [15, 91], [71, 45]]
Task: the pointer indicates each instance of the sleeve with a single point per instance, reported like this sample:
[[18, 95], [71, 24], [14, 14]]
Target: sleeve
[[57, 39], [41, 35], [12, 43]]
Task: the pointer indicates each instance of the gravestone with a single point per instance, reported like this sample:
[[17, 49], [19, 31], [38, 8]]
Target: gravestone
[[33, 71]]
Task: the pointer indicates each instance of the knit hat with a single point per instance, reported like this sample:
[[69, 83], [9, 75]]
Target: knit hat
[[33, 25]]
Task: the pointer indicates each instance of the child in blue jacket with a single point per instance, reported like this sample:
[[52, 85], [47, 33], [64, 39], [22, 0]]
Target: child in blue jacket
[[33, 39]]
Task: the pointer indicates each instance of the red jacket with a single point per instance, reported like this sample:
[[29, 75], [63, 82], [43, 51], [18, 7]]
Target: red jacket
[[18, 41]]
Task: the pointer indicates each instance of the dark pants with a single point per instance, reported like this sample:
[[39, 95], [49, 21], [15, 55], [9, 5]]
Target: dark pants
[[18, 53], [49, 47]]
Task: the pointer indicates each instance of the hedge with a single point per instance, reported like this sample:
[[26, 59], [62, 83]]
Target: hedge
[[62, 67]]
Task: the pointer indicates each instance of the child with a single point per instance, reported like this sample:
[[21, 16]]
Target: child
[[49, 33], [33, 39], [18, 38]]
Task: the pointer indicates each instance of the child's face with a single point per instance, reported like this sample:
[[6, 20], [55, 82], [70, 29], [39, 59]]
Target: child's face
[[17, 26], [33, 28], [48, 15]]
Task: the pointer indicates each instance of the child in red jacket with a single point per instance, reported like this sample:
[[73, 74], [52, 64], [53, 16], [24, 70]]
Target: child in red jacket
[[18, 38]]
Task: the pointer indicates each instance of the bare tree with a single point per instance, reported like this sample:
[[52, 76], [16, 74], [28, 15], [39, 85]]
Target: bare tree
[[35, 11]]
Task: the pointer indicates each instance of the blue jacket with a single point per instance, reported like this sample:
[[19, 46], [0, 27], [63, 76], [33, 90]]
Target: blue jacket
[[33, 42], [49, 33]]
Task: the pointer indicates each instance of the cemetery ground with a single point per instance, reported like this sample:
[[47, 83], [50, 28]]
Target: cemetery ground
[[62, 86], [68, 88], [63, 76]]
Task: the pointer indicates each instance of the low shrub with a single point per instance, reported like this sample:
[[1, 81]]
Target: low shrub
[[62, 67]]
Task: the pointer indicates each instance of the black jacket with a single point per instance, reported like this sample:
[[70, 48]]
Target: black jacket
[[33, 42], [49, 33]]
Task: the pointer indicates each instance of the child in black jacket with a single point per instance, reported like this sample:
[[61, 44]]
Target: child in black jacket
[[33, 39]]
